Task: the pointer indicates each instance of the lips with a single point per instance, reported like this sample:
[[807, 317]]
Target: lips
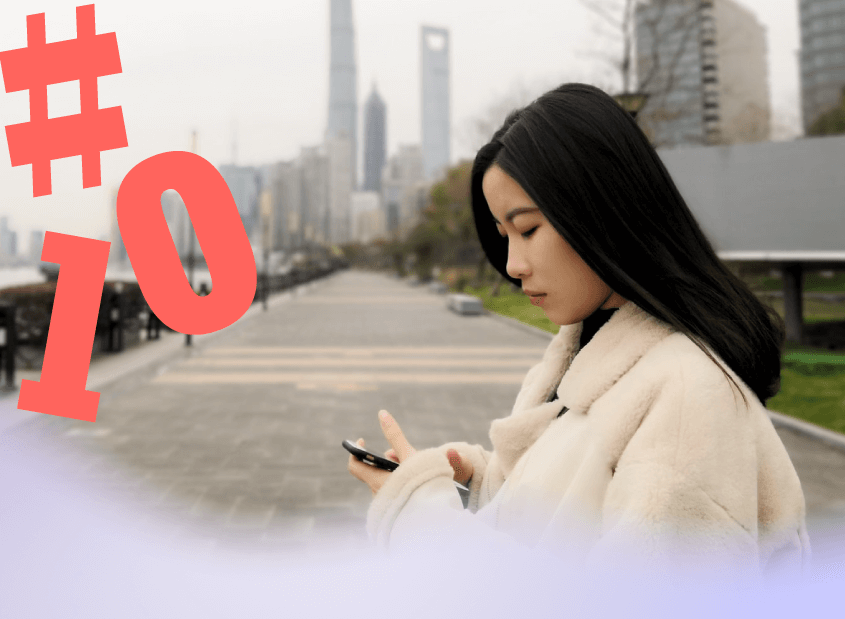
[[537, 298]]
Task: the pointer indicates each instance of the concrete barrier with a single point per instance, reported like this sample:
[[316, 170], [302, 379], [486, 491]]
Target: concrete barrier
[[465, 304]]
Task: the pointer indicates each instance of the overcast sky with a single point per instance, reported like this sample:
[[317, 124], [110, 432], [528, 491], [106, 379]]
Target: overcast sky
[[259, 71]]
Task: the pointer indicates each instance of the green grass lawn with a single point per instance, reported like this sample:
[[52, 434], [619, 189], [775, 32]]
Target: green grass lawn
[[815, 310], [813, 282], [513, 304], [812, 380], [812, 387]]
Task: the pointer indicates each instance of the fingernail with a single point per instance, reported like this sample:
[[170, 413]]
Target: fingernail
[[455, 461], [384, 416]]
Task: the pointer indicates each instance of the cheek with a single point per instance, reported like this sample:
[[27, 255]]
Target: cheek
[[563, 258], [571, 270]]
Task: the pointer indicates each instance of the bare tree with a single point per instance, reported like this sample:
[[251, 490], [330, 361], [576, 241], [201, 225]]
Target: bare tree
[[668, 49], [618, 15], [651, 43], [478, 130]]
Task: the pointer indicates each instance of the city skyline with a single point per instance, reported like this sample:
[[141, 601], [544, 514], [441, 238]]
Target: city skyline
[[267, 68]]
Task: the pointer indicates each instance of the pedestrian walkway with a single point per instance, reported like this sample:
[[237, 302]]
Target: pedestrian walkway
[[236, 442]]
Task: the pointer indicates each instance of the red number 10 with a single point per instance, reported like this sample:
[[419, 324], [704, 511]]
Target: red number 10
[[225, 245]]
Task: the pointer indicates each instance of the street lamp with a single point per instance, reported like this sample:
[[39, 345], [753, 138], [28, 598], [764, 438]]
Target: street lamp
[[632, 102]]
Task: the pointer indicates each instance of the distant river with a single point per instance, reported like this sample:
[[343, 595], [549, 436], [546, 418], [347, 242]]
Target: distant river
[[19, 276]]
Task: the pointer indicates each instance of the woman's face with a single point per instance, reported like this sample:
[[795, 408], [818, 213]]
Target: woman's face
[[552, 273]]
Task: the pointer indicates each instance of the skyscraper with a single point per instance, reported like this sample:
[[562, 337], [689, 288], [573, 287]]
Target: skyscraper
[[340, 188], [36, 244], [703, 63], [245, 183], [315, 193], [343, 90], [401, 183], [434, 44], [178, 222], [822, 56], [375, 138], [117, 250], [287, 205]]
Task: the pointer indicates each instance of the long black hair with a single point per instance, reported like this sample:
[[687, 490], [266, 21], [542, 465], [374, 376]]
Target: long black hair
[[586, 164]]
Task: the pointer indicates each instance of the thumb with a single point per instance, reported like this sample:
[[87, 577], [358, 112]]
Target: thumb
[[462, 466]]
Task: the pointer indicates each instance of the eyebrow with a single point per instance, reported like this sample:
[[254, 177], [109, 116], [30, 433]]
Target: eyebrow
[[517, 211]]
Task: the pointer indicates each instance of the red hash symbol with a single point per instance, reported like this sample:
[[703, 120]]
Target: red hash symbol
[[88, 133]]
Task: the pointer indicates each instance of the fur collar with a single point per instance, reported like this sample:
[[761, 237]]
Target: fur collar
[[580, 377]]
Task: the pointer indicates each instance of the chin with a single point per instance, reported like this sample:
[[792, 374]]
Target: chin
[[561, 321], [566, 320]]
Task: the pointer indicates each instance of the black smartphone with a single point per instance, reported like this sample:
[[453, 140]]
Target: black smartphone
[[368, 457]]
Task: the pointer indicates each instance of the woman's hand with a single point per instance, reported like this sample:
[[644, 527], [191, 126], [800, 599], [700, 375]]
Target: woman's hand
[[400, 450]]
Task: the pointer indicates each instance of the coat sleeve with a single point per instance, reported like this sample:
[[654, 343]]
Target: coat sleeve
[[415, 472], [418, 511]]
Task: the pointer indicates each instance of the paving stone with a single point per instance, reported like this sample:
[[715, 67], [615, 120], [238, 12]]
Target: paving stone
[[260, 463]]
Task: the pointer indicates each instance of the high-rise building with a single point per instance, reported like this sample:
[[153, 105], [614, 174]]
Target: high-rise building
[[703, 64], [436, 128], [8, 240], [314, 161], [402, 181], [286, 189], [367, 216], [343, 89], [36, 244], [340, 188], [117, 250], [822, 56], [375, 140], [5, 238], [178, 222], [245, 183]]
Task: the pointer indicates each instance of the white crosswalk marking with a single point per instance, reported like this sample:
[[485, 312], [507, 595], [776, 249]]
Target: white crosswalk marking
[[356, 368]]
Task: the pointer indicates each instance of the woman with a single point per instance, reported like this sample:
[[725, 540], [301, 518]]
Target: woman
[[642, 434]]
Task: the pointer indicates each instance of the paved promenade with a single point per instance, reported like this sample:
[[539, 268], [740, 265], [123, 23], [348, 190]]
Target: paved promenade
[[237, 440]]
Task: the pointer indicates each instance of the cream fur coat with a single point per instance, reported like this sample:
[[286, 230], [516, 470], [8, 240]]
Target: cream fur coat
[[658, 460]]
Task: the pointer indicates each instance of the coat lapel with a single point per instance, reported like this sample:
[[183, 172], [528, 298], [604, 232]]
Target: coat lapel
[[581, 377]]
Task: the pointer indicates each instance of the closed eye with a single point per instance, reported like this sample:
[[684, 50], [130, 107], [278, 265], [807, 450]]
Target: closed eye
[[526, 235]]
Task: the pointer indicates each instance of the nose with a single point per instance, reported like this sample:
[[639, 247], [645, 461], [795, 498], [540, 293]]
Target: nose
[[517, 267]]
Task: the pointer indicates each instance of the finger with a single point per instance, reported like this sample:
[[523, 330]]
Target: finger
[[462, 466], [354, 462], [394, 436], [365, 473], [370, 475], [390, 454]]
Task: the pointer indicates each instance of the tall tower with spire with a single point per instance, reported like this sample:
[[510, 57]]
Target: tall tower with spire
[[436, 126], [343, 91], [375, 140]]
